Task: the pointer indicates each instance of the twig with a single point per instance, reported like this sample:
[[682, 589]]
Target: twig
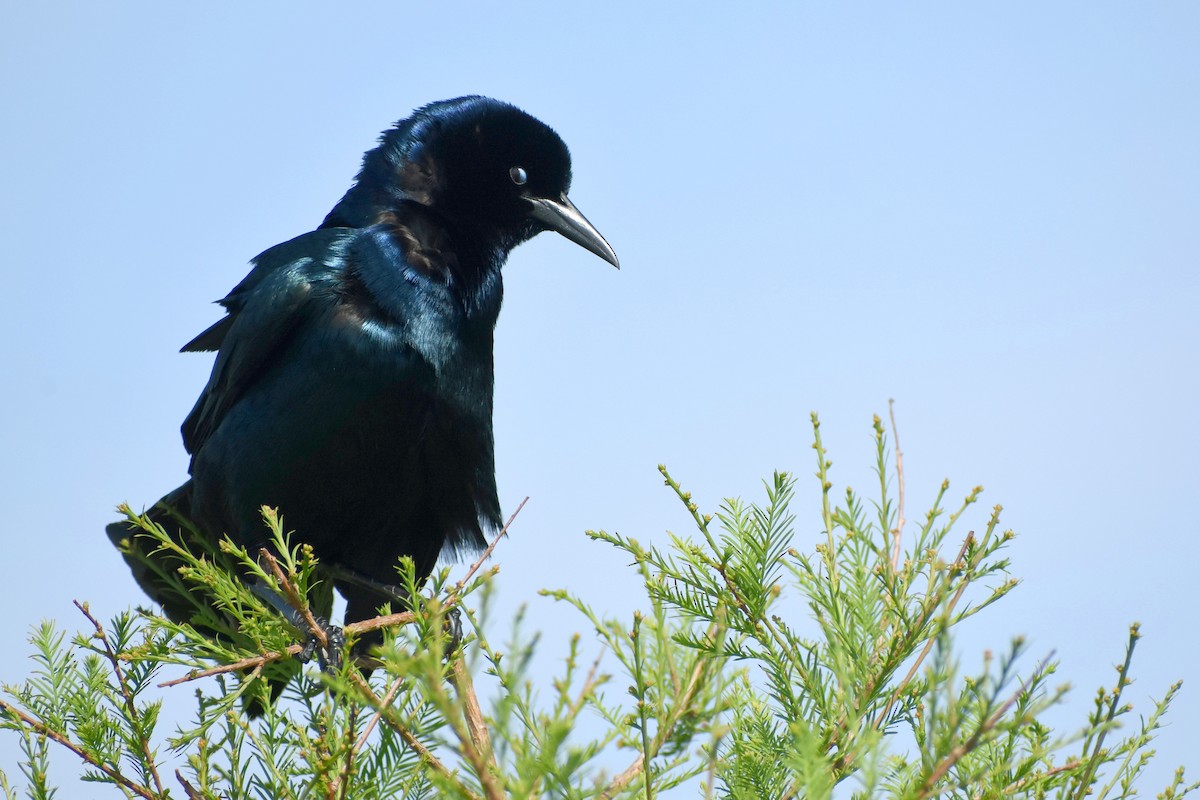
[[1017, 786], [631, 772], [475, 725], [188, 789], [50, 733], [245, 663], [293, 597], [453, 597], [455, 712], [990, 723], [479, 753], [477, 746], [126, 694], [412, 741], [899, 529], [385, 621], [589, 684], [929, 642], [384, 703]]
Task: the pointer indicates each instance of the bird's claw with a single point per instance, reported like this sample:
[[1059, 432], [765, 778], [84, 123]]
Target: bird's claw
[[329, 656], [454, 629]]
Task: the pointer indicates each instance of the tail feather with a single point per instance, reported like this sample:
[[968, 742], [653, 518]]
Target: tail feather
[[138, 549], [154, 571]]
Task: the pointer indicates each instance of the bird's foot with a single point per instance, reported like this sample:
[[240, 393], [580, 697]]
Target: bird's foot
[[454, 629], [329, 655]]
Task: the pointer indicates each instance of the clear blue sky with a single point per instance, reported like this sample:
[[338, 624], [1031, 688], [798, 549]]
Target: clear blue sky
[[989, 212]]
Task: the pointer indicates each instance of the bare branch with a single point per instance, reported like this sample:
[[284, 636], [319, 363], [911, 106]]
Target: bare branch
[[453, 597], [384, 703], [1017, 786], [589, 684], [245, 663], [385, 621], [477, 748], [476, 727], [188, 789]]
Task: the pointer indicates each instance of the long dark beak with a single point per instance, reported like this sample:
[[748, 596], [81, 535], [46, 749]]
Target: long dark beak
[[561, 215]]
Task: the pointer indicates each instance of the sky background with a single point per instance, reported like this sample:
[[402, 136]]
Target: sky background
[[990, 212]]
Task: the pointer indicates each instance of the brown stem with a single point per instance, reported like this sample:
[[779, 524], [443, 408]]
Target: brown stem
[[126, 694], [453, 597], [929, 642], [188, 789], [386, 621], [682, 703], [986, 727], [49, 733], [589, 683], [412, 741], [384, 703], [1017, 786], [245, 663], [476, 727], [294, 599]]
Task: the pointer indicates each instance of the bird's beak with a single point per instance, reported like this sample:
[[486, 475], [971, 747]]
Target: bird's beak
[[561, 215]]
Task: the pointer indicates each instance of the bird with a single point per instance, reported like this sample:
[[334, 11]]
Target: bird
[[352, 387]]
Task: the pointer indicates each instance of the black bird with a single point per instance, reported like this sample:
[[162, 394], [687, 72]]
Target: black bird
[[352, 387]]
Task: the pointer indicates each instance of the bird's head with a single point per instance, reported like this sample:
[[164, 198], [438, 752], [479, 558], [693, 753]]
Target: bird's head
[[484, 166]]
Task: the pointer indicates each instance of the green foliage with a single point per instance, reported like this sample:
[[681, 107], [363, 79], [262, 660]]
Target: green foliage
[[757, 667]]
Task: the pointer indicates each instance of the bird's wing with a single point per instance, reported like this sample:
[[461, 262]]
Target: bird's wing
[[211, 338], [318, 246], [264, 311]]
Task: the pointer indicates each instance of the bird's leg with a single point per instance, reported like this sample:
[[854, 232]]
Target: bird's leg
[[329, 656], [394, 593], [454, 628], [353, 577]]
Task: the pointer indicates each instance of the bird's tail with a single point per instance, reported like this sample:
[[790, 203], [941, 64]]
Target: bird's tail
[[156, 569], [153, 568]]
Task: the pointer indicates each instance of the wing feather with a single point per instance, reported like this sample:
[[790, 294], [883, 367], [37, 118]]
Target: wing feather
[[263, 313]]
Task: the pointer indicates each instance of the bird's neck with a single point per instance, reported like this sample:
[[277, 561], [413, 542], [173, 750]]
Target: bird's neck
[[465, 262]]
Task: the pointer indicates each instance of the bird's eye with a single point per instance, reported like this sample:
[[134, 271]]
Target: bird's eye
[[518, 175]]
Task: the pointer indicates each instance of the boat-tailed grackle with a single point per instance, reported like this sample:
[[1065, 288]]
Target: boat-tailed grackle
[[352, 387]]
